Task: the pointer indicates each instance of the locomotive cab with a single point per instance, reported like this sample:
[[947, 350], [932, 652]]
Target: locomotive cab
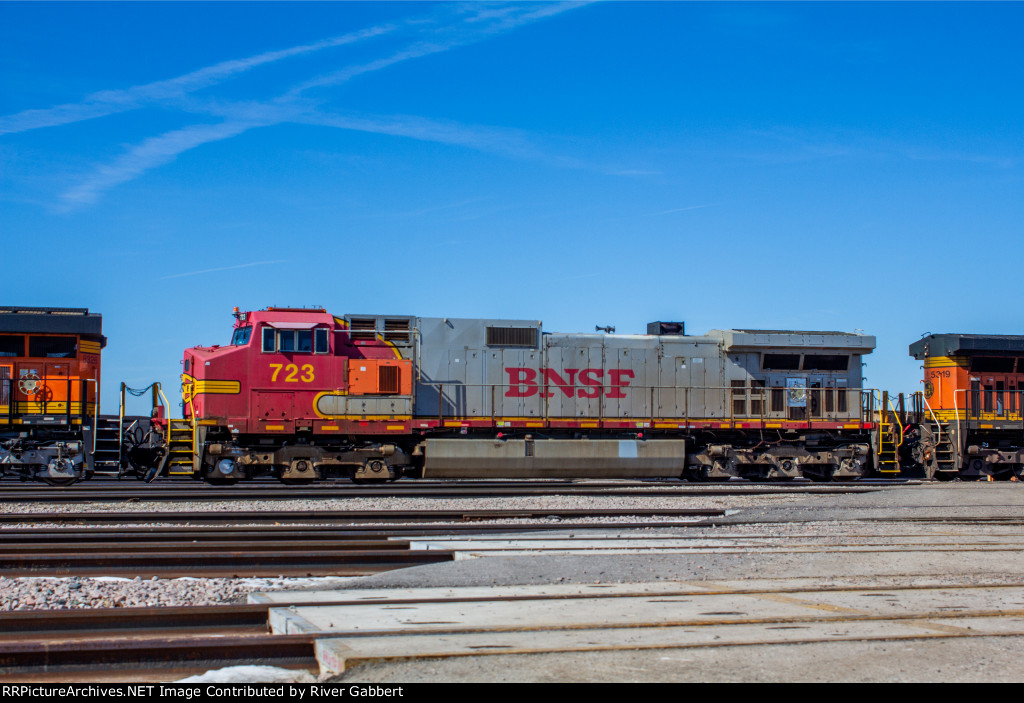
[[279, 398]]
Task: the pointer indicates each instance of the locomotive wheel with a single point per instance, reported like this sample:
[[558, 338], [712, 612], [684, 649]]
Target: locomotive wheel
[[214, 481], [61, 482], [1009, 471], [701, 474], [297, 481]]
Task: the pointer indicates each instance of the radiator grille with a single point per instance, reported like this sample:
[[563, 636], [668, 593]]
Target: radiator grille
[[396, 331], [363, 328], [388, 379], [512, 336]]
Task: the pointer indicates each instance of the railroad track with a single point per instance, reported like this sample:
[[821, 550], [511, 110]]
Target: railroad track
[[169, 642], [157, 644], [254, 561], [389, 517], [114, 491], [151, 644], [231, 552]]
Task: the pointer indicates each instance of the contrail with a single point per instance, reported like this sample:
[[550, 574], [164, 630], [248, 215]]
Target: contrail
[[222, 268], [109, 102]]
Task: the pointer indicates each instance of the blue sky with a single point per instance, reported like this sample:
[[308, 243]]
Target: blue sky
[[767, 165]]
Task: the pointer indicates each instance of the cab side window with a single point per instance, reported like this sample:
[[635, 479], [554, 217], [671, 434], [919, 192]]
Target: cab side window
[[295, 341], [241, 336]]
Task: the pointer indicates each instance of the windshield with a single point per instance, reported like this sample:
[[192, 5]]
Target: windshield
[[241, 336]]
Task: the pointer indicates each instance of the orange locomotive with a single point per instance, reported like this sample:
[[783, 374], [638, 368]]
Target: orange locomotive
[[49, 395], [972, 424]]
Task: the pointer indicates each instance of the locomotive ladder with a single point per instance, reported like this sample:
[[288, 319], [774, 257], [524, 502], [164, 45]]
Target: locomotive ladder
[[890, 437], [180, 443]]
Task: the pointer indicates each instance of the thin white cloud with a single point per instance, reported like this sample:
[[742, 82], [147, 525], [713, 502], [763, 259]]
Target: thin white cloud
[[675, 210], [165, 148], [494, 21], [240, 117], [223, 268], [508, 142], [153, 152], [109, 102]]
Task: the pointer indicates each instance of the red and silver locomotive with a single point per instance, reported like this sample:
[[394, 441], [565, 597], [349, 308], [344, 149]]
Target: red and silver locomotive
[[300, 394]]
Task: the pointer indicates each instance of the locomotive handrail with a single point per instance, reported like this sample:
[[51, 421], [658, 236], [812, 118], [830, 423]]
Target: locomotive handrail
[[956, 411], [166, 404], [899, 423], [938, 426], [96, 413], [16, 408], [120, 423], [976, 409], [726, 393]]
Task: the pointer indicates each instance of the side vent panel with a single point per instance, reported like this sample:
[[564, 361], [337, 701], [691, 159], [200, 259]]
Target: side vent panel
[[364, 328], [379, 377], [388, 379], [512, 337]]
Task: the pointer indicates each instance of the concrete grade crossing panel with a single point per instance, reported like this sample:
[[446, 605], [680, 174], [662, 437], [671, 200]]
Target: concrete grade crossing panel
[[442, 622]]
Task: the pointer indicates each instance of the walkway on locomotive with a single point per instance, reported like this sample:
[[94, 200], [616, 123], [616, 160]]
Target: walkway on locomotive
[[296, 369]]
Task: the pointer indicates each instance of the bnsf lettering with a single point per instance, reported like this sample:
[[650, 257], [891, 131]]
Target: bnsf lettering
[[579, 383]]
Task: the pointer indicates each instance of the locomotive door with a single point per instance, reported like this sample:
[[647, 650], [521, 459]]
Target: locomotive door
[[29, 387], [476, 401], [5, 384], [697, 400], [56, 388], [993, 398], [817, 389], [589, 400]]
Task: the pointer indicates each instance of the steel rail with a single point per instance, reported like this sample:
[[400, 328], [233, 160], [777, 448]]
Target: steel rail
[[192, 492], [186, 545], [212, 651], [173, 539], [321, 516], [330, 562], [140, 533], [225, 494]]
